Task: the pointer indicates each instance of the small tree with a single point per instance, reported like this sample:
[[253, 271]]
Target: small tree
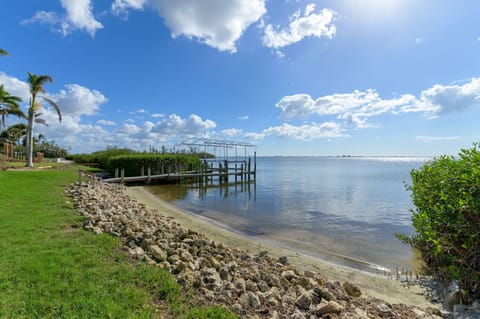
[[446, 193]]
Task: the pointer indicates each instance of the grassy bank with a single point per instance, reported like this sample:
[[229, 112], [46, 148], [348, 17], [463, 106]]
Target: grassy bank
[[51, 268]]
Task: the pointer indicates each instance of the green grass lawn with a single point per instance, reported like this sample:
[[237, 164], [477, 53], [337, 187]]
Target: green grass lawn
[[51, 268]]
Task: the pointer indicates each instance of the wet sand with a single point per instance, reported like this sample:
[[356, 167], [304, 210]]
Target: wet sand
[[391, 291]]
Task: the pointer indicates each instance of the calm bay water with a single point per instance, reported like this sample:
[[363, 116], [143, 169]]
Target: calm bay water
[[341, 209]]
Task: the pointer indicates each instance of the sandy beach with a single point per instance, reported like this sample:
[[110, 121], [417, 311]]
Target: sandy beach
[[391, 291]]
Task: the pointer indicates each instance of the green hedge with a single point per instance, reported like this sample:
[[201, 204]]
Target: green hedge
[[158, 163], [446, 193], [99, 158]]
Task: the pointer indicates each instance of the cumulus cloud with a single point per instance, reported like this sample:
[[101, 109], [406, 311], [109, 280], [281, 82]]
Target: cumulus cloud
[[243, 117], [15, 86], [307, 132], [122, 6], [78, 16], [77, 100], [218, 24], [443, 99], [308, 24], [157, 115], [356, 107], [232, 132], [174, 125]]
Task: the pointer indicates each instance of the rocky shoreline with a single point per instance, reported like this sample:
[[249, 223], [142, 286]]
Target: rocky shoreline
[[251, 285]]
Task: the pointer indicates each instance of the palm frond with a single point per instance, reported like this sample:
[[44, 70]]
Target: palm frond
[[3, 52], [41, 121], [36, 82], [55, 106]]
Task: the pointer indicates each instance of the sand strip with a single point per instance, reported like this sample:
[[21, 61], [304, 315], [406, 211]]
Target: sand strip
[[391, 291]]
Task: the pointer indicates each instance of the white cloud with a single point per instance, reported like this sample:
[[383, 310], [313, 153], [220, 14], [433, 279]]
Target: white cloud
[[255, 136], [174, 125], [157, 115], [139, 111], [218, 24], [15, 86], [437, 138], [77, 100], [307, 132], [356, 107], [232, 132], [243, 117], [78, 16], [128, 129], [418, 40], [122, 6], [443, 99], [43, 17], [105, 122], [310, 24]]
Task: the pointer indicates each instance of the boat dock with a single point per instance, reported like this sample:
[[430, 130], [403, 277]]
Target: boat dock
[[222, 168]]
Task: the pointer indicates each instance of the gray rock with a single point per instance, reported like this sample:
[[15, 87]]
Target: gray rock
[[157, 252], [274, 315], [288, 275], [298, 315], [384, 308], [240, 284], [304, 301], [321, 293], [249, 300], [352, 289], [329, 307]]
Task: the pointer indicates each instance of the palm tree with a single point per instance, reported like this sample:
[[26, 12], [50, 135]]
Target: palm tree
[[3, 52], [15, 132], [8, 105], [36, 83]]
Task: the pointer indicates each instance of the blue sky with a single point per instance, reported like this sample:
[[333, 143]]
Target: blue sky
[[365, 77]]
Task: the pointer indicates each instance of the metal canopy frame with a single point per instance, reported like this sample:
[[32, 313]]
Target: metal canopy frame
[[222, 145]]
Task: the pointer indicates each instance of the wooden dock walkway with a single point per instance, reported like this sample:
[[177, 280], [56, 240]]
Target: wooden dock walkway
[[177, 176]]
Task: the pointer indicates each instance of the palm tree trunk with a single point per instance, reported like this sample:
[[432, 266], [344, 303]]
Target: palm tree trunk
[[31, 120]]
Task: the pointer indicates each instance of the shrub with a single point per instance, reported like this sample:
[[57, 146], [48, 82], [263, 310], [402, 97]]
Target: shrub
[[158, 163], [446, 193], [100, 157]]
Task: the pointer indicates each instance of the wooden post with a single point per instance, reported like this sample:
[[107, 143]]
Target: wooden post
[[226, 171], [241, 173], [249, 171], [123, 174], [254, 165], [142, 171], [79, 177], [236, 173], [220, 172], [149, 172]]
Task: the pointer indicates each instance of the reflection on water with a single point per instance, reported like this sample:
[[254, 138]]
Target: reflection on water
[[327, 207]]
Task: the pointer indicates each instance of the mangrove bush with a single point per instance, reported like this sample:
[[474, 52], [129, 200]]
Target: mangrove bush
[[446, 194]]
